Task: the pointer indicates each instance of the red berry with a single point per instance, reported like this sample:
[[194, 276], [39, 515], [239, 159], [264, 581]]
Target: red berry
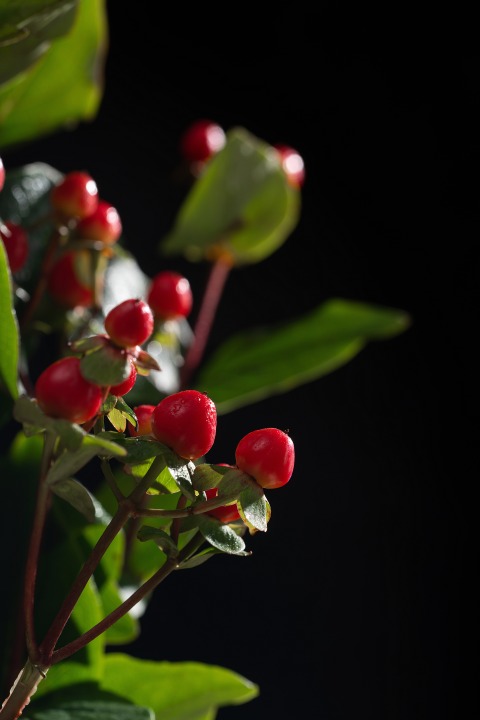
[[224, 513], [201, 140], [16, 244], [130, 323], [292, 163], [268, 455], [124, 387], [103, 224], [2, 174], [187, 422], [144, 418], [62, 392], [170, 295], [67, 280], [75, 196]]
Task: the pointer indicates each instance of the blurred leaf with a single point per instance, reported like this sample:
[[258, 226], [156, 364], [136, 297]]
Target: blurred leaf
[[127, 628], [8, 329], [242, 205], [105, 366], [64, 86], [71, 461], [258, 363], [160, 538], [175, 691], [27, 29], [76, 495]]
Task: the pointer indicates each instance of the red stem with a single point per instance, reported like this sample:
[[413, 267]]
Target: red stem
[[211, 298]]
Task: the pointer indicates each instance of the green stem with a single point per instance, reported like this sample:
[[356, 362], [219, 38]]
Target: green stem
[[22, 690]]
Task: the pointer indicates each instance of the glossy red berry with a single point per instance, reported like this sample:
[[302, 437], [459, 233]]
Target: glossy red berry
[[62, 392], [170, 295], [292, 163], [268, 455], [186, 421], [2, 174], [104, 224], [124, 387], [144, 419], [201, 140], [67, 280], [75, 196], [16, 244], [130, 323], [224, 513]]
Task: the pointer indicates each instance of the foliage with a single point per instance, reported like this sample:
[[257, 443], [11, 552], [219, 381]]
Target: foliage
[[240, 209]]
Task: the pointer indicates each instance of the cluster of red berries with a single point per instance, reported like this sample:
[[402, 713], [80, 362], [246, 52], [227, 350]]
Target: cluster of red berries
[[202, 139]]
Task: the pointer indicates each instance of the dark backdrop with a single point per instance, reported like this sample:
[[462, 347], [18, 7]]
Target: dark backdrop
[[359, 601]]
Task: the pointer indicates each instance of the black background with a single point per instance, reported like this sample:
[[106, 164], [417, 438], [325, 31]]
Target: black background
[[359, 602]]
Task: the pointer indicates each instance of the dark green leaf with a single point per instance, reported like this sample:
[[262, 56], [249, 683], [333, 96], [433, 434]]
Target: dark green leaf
[[175, 691], [8, 329], [105, 366], [202, 557], [27, 411], [257, 364], [139, 449], [220, 536], [160, 537], [76, 495], [64, 86], [241, 206], [100, 707], [126, 411]]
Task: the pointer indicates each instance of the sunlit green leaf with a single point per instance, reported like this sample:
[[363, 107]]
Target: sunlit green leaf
[[64, 86], [175, 691], [8, 329], [259, 363], [242, 205]]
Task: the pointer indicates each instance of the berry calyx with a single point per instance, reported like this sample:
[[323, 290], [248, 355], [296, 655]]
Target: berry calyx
[[16, 244], [67, 280], [144, 420], [268, 455], [292, 164], [103, 224], [186, 421], [202, 139], [62, 392], [224, 513], [170, 295], [75, 196], [130, 323], [124, 387]]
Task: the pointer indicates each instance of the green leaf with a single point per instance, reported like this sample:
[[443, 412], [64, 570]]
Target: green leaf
[[201, 557], [76, 495], [254, 510], [27, 29], [64, 86], [242, 206], [127, 628], [105, 366], [70, 461], [175, 691], [206, 477], [220, 536], [84, 701], [256, 364], [160, 538], [27, 411], [8, 329]]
